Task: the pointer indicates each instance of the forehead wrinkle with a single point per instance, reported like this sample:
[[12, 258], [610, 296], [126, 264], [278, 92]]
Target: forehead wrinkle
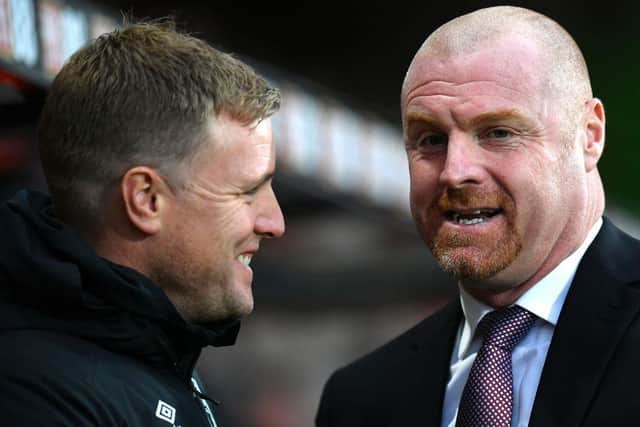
[[567, 70], [458, 85]]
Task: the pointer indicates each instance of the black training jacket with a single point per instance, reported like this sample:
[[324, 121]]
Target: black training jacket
[[85, 342]]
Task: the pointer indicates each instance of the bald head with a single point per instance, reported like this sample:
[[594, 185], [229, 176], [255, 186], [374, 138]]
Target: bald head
[[503, 138], [566, 70]]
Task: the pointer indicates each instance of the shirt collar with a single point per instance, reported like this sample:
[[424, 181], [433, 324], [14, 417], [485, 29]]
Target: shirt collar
[[545, 299]]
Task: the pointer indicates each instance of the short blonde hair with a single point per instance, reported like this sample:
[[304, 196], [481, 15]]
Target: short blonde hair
[[143, 94]]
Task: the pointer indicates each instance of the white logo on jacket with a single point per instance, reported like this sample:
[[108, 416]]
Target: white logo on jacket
[[165, 412]]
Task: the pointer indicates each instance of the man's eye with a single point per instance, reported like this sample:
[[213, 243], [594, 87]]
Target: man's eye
[[499, 133], [252, 191], [430, 141]]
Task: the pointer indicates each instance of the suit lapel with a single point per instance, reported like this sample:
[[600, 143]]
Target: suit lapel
[[432, 346], [597, 311]]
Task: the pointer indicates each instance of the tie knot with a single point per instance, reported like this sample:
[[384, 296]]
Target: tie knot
[[505, 327]]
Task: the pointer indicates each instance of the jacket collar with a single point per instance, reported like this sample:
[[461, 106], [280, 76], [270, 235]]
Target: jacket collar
[[51, 279], [601, 303]]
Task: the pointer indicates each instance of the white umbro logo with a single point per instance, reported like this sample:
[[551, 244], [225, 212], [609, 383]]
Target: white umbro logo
[[166, 412]]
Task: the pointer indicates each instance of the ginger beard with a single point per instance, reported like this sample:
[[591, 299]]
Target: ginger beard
[[474, 252]]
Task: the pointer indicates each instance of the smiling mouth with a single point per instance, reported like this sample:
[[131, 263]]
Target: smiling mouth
[[471, 217], [245, 259]]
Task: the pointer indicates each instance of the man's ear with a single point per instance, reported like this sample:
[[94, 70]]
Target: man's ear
[[593, 126], [144, 194]]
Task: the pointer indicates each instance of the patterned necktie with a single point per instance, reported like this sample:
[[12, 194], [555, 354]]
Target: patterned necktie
[[487, 396]]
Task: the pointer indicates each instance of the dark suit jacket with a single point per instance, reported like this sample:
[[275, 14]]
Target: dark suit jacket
[[590, 377]]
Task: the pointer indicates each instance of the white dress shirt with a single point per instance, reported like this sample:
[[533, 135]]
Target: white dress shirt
[[545, 300]]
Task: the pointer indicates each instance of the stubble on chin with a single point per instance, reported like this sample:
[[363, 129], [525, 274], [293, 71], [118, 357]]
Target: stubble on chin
[[196, 289], [469, 258], [474, 256]]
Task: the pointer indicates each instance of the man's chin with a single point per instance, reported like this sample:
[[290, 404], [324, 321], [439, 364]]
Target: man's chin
[[475, 260], [226, 308], [468, 272], [469, 264], [240, 305], [231, 315]]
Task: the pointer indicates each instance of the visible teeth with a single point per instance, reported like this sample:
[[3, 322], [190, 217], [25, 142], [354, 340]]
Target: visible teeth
[[245, 259], [470, 221], [470, 218]]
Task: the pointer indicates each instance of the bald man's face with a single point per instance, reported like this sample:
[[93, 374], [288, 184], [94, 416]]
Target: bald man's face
[[493, 184]]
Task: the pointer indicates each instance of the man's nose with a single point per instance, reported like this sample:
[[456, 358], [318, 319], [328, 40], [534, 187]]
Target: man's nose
[[462, 163], [270, 220]]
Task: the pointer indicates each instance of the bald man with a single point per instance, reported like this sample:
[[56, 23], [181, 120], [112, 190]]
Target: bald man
[[503, 137]]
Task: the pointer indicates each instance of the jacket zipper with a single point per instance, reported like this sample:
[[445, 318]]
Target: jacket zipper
[[205, 405], [188, 365]]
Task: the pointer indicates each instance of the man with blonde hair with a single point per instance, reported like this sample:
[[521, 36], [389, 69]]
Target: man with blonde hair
[[158, 154], [503, 137]]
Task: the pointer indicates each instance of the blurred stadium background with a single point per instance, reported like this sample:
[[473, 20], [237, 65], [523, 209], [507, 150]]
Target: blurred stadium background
[[351, 272]]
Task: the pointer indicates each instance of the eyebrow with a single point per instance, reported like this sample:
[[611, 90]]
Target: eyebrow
[[422, 119], [499, 116], [512, 115]]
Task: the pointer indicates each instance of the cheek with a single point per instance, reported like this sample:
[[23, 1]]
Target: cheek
[[551, 181], [423, 181], [539, 194], [236, 222], [222, 214]]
